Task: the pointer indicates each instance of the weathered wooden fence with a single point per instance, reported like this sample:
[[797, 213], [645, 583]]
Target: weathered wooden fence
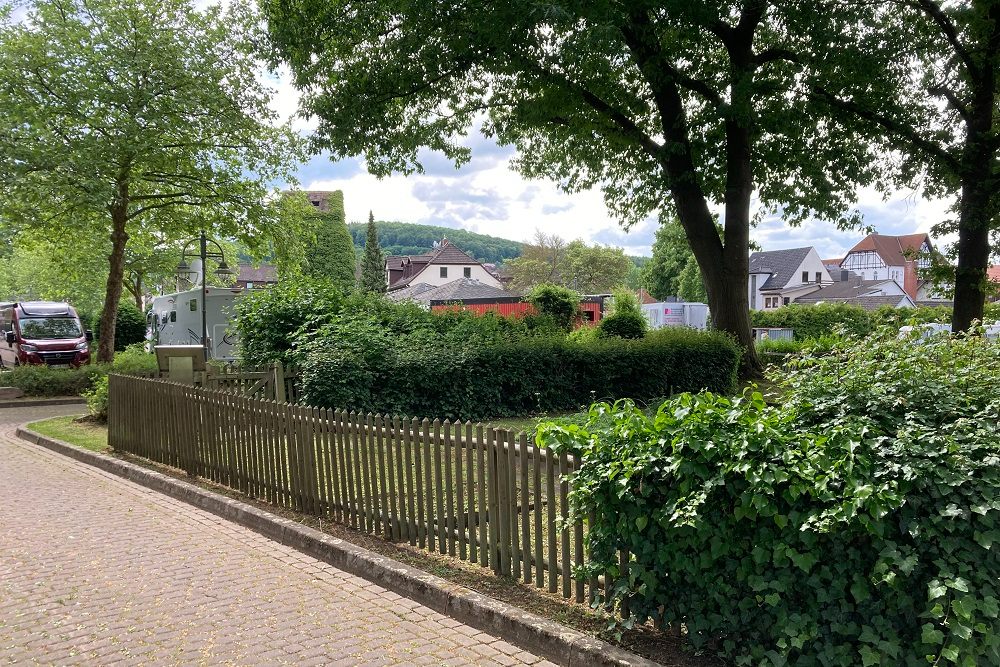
[[478, 493], [274, 382]]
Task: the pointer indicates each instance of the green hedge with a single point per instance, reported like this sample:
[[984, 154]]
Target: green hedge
[[816, 321], [47, 381], [857, 523], [514, 377]]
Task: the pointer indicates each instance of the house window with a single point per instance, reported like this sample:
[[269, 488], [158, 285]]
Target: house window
[[819, 276], [249, 285], [467, 271], [444, 271], [785, 301], [805, 276]]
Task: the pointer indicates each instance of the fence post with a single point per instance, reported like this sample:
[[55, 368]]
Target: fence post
[[279, 382]]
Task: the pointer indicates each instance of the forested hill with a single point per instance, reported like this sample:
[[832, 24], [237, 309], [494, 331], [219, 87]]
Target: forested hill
[[402, 238]]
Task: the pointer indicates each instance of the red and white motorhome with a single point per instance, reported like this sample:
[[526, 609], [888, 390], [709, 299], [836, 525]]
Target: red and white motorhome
[[42, 332]]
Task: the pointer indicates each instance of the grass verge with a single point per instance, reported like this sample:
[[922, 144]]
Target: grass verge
[[82, 434]]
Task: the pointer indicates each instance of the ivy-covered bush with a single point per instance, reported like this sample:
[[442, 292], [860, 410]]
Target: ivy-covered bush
[[440, 376], [856, 523]]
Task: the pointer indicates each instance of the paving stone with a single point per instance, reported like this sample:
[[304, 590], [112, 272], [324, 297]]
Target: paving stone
[[97, 570]]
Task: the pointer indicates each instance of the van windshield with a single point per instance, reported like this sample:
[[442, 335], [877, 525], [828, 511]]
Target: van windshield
[[46, 328]]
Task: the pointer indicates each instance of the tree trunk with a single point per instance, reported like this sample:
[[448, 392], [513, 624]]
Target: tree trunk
[[973, 253], [116, 274]]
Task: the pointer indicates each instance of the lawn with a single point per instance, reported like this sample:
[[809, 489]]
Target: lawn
[[82, 434]]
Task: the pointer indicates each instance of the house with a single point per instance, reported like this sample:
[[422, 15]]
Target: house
[[446, 264], [854, 290], [255, 277], [993, 275], [778, 277], [879, 257]]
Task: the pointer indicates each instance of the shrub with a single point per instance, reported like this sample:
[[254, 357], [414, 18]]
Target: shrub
[[624, 325], [856, 523], [267, 321], [97, 399], [47, 381], [560, 303], [815, 321], [430, 375], [134, 360], [130, 326]]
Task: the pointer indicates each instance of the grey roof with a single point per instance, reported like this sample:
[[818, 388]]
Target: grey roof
[[851, 288], [456, 290], [781, 264], [411, 292], [876, 302]]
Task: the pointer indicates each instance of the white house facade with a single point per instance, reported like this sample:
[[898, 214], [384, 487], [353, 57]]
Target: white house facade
[[446, 264], [779, 277]]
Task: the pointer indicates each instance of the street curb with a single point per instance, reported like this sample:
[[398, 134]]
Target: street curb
[[42, 402], [545, 638]]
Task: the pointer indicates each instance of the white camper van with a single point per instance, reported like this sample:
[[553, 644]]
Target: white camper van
[[175, 319]]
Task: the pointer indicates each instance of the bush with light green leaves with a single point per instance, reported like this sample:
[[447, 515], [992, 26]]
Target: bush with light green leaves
[[856, 523]]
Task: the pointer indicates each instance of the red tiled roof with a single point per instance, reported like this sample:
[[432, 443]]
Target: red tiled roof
[[993, 273], [894, 250]]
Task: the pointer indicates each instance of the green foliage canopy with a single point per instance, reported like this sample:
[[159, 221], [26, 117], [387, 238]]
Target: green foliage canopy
[[125, 116]]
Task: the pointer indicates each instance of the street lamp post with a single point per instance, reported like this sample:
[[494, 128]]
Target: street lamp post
[[204, 255]]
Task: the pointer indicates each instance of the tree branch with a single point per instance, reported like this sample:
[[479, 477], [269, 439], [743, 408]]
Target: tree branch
[[956, 104], [894, 127], [933, 10]]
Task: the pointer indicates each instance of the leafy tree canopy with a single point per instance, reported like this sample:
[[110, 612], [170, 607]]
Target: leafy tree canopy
[[118, 109]]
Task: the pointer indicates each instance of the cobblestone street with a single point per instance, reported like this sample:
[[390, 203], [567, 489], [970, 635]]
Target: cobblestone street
[[97, 570]]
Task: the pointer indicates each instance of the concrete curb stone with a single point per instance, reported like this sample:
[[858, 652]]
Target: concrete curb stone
[[549, 639], [42, 402]]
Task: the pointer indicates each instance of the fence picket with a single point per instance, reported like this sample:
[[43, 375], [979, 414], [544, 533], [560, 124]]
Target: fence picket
[[439, 509], [482, 516], [428, 491], [459, 491], [411, 470], [522, 443]]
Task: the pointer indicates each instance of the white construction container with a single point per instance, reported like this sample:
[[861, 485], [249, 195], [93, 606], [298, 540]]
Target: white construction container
[[681, 314], [175, 319]]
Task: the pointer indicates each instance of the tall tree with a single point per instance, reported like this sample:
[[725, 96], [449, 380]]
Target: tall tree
[[922, 77], [540, 262], [373, 261], [116, 109], [655, 101], [671, 253], [331, 255], [594, 269]]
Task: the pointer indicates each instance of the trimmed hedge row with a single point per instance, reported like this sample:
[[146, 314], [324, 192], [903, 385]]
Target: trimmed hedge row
[[855, 523], [46, 381], [820, 320], [516, 377]]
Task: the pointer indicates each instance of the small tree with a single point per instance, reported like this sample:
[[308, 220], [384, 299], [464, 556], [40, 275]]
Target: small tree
[[373, 262], [626, 319], [560, 303]]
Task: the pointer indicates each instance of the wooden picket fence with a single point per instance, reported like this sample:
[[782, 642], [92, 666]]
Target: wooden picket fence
[[471, 491], [275, 382]]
